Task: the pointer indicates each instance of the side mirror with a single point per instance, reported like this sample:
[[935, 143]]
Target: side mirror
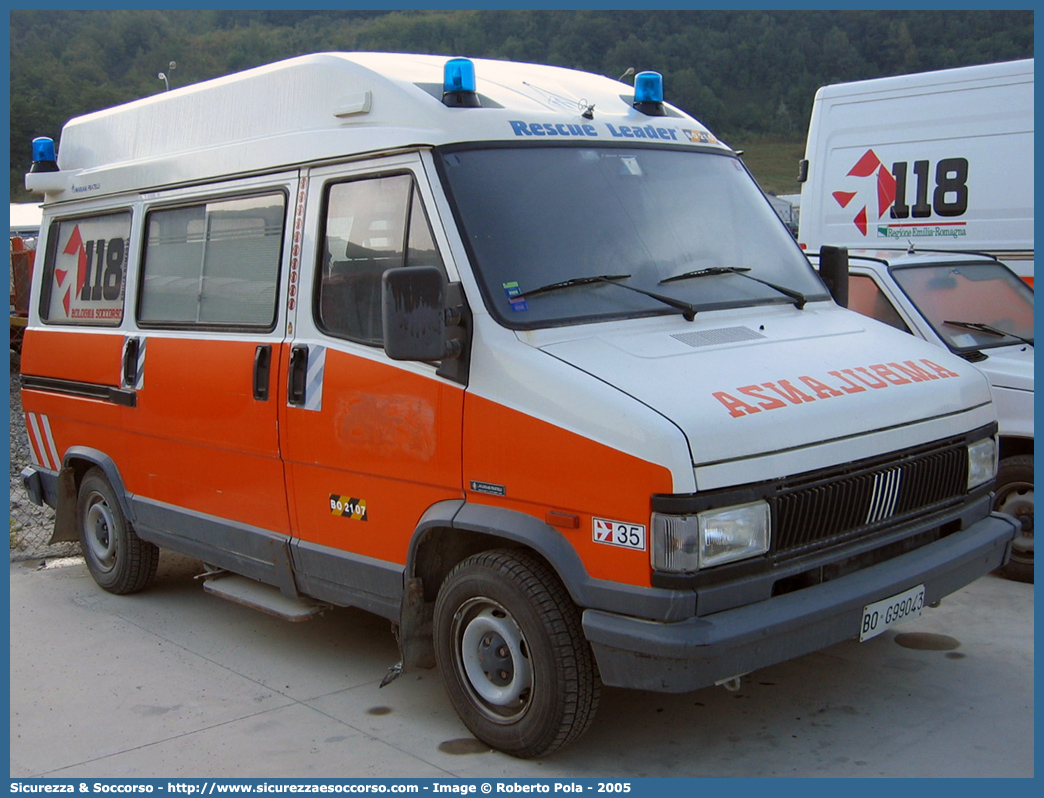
[[833, 269], [413, 316]]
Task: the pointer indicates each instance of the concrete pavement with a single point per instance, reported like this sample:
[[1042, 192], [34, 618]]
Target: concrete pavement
[[173, 683]]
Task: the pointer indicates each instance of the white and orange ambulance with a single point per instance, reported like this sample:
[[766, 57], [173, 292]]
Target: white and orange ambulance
[[517, 357]]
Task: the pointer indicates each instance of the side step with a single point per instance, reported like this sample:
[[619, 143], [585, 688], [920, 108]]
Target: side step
[[259, 596]]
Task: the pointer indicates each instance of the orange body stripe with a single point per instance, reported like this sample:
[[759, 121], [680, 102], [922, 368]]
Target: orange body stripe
[[545, 468], [198, 439], [73, 354], [385, 436]]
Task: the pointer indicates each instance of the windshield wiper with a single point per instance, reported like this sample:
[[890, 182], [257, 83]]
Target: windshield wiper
[[688, 310], [986, 328], [546, 289], [798, 297]]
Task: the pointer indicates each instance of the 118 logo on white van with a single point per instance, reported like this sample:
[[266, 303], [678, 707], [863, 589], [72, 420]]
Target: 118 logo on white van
[[618, 533]]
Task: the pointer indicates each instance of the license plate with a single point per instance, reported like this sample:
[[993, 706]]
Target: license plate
[[884, 614]]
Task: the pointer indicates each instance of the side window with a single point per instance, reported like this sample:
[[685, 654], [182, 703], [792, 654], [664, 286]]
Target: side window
[[371, 225], [85, 270], [215, 263], [865, 297]]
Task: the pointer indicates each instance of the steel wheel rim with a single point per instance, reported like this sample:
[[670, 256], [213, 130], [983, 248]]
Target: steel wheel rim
[[492, 660], [100, 532]]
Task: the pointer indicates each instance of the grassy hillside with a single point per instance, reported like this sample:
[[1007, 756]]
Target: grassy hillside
[[773, 163]]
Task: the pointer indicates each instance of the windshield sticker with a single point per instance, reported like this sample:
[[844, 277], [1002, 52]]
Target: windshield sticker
[[700, 137], [514, 295], [630, 166], [843, 382]]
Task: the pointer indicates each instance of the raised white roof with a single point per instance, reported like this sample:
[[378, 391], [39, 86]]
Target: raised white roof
[[962, 77], [332, 105]]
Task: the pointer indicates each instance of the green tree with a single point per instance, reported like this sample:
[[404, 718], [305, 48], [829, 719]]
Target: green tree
[[744, 73]]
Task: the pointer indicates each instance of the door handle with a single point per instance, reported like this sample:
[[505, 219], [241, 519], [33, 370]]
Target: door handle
[[295, 390], [130, 362], [262, 369]]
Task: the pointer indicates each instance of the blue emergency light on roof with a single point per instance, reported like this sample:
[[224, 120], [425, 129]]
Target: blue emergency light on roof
[[458, 84], [44, 159], [648, 93]]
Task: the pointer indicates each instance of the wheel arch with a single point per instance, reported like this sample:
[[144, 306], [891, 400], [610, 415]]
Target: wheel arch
[[1014, 496], [78, 461], [1013, 447], [451, 531]]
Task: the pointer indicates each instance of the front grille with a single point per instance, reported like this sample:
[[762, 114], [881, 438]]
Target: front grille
[[825, 508]]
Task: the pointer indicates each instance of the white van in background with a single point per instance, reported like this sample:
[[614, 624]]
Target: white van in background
[[938, 160], [928, 179]]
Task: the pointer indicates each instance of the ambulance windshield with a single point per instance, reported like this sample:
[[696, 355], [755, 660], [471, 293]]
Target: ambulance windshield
[[538, 216], [971, 305]]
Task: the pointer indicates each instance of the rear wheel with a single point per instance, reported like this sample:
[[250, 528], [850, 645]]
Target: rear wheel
[[117, 558], [1015, 497], [512, 654]]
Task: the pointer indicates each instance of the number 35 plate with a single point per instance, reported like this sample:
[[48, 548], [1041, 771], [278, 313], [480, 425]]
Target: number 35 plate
[[884, 614], [618, 533]]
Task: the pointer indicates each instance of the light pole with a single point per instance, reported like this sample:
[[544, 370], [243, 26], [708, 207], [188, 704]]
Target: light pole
[[163, 75]]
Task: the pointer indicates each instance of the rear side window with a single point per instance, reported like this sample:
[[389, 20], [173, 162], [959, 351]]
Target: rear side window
[[371, 225], [85, 270], [213, 264]]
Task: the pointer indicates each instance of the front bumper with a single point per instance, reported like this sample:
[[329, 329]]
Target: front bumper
[[700, 651]]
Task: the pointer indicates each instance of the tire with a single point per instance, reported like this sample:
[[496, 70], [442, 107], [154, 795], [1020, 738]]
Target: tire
[[512, 654], [117, 558], [1015, 497]]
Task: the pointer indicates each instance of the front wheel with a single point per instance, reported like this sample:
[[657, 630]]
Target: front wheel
[[1015, 497], [117, 558], [512, 654]]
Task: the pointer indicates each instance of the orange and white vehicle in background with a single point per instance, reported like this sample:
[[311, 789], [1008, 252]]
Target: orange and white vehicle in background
[[980, 310], [517, 357]]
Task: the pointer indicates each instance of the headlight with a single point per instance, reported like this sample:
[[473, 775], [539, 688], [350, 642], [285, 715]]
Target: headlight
[[982, 462], [685, 543]]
